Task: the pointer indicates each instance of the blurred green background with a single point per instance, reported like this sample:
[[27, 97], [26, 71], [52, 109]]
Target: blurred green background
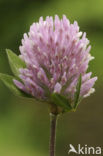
[[24, 124]]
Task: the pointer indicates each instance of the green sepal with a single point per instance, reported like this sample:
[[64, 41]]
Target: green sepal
[[8, 81], [61, 101], [45, 88], [66, 84], [77, 93], [48, 74], [15, 62]]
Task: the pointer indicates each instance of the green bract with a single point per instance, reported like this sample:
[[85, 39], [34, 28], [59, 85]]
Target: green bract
[[15, 62], [63, 102], [77, 93], [8, 81]]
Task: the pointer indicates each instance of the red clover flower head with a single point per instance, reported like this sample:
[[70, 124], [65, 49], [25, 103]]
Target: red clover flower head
[[56, 55]]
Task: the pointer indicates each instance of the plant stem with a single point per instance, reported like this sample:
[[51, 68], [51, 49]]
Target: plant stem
[[53, 121]]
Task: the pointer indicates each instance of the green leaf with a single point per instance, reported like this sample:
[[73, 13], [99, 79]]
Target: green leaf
[[77, 93], [8, 81], [15, 62], [61, 101]]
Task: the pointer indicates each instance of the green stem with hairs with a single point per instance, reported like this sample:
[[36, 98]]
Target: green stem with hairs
[[53, 122]]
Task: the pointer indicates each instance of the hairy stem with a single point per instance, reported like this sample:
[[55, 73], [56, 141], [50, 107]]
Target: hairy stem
[[53, 121]]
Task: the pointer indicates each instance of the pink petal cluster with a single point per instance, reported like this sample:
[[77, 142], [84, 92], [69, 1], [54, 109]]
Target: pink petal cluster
[[55, 53]]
